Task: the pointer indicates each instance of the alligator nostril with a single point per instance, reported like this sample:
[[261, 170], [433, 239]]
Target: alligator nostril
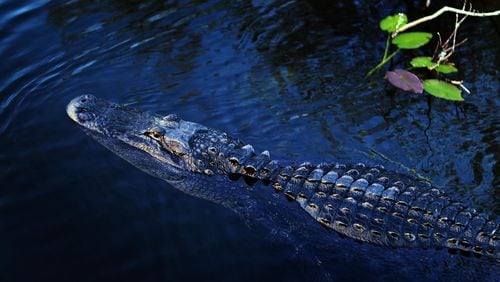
[[83, 100]]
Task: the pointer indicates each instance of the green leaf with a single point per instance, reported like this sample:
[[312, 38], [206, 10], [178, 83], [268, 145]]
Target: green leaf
[[411, 40], [422, 62], [442, 89], [426, 62], [393, 22], [446, 68]]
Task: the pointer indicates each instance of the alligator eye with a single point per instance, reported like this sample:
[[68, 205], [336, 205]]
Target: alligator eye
[[155, 134], [180, 154]]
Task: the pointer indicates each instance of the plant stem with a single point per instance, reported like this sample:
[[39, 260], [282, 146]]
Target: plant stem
[[386, 47], [439, 12], [383, 62]]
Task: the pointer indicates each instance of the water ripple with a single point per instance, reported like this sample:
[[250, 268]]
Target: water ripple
[[287, 76]]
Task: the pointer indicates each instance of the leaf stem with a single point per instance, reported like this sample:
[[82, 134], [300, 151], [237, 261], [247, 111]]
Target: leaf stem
[[386, 46], [383, 62]]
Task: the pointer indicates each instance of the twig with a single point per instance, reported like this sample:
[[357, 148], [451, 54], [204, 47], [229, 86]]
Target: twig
[[439, 12], [460, 83], [447, 50]]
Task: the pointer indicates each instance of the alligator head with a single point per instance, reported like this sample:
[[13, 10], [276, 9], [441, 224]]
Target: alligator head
[[159, 145]]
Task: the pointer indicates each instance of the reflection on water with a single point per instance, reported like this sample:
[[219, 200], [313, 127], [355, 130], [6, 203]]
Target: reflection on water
[[287, 76]]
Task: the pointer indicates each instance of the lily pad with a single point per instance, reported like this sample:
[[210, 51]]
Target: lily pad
[[422, 62], [411, 40], [443, 90], [405, 80], [393, 22], [446, 68]]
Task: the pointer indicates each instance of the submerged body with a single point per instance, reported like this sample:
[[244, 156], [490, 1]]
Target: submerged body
[[365, 203]]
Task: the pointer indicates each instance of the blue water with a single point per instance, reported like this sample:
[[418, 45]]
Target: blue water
[[286, 76]]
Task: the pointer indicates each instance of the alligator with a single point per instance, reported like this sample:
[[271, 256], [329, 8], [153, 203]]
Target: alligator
[[366, 203]]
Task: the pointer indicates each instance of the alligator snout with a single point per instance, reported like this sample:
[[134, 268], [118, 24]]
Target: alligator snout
[[80, 108]]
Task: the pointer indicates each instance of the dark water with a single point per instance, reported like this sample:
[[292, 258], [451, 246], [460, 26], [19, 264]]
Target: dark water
[[287, 76]]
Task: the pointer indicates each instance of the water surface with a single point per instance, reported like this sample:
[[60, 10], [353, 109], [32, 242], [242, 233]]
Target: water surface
[[286, 76]]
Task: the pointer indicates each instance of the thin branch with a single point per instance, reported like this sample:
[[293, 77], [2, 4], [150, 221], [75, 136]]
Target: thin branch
[[441, 11], [460, 83], [457, 24], [447, 50]]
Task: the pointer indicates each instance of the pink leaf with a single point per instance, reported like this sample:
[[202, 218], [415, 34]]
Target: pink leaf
[[405, 80]]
